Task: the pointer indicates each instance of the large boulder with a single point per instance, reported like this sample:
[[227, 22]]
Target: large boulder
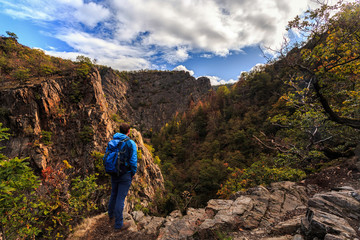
[[332, 215]]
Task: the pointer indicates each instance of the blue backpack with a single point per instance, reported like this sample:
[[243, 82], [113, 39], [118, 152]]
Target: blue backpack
[[116, 157]]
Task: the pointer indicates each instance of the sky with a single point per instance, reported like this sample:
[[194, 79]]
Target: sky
[[214, 38]]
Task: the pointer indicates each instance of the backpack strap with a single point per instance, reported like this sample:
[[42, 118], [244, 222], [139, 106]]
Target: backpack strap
[[120, 145]]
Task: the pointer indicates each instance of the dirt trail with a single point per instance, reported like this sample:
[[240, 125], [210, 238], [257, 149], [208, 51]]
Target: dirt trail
[[100, 228]]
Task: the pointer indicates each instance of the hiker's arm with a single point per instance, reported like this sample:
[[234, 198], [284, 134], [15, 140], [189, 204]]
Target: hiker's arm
[[133, 159]]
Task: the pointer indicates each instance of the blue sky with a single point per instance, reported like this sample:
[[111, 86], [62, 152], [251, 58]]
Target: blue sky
[[214, 38]]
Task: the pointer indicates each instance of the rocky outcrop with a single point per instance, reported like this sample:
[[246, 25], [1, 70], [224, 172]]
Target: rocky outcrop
[[148, 181], [253, 213], [333, 215], [281, 211]]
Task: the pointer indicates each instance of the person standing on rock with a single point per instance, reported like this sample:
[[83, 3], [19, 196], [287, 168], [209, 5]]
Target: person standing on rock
[[120, 182]]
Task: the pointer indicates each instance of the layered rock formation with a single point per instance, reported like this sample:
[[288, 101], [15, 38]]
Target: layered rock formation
[[333, 215], [249, 215]]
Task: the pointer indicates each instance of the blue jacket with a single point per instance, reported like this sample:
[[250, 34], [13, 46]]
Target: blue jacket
[[133, 151]]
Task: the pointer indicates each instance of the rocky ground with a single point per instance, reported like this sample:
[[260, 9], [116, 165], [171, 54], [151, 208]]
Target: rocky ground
[[324, 206]]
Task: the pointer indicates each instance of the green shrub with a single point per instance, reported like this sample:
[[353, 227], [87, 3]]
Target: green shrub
[[3, 62], [19, 206], [223, 235], [21, 74], [86, 135], [12, 35], [116, 118], [257, 174], [139, 154], [46, 137], [150, 148], [28, 210], [98, 160], [46, 70], [139, 207], [4, 135], [83, 69], [75, 94], [157, 161], [83, 59], [82, 200]]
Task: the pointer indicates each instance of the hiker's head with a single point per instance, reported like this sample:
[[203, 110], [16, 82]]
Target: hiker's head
[[124, 128]]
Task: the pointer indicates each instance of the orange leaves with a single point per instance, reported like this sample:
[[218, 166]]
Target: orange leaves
[[55, 179]]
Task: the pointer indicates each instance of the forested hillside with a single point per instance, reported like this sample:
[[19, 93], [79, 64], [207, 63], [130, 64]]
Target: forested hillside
[[282, 121]]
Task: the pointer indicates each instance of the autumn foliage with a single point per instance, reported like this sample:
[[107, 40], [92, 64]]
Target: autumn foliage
[[44, 207], [280, 122]]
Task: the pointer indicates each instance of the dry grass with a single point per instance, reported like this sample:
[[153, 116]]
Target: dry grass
[[85, 227]]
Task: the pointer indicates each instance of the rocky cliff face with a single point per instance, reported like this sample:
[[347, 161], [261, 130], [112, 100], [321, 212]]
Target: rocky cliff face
[[58, 119], [68, 118], [156, 98], [149, 99]]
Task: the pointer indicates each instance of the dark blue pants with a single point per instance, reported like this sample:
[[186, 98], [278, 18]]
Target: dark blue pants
[[119, 189]]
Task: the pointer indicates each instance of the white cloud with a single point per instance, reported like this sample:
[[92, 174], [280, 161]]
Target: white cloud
[[219, 27], [173, 56], [107, 52], [133, 33], [231, 81], [206, 55], [88, 44], [73, 3], [183, 68], [214, 26], [90, 14], [257, 66], [64, 55], [215, 80], [24, 11], [68, 11]]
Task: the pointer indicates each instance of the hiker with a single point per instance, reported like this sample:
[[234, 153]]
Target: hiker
[[121, 180]]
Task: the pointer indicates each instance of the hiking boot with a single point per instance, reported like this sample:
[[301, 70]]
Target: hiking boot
[[125, 226], [111, 220]]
